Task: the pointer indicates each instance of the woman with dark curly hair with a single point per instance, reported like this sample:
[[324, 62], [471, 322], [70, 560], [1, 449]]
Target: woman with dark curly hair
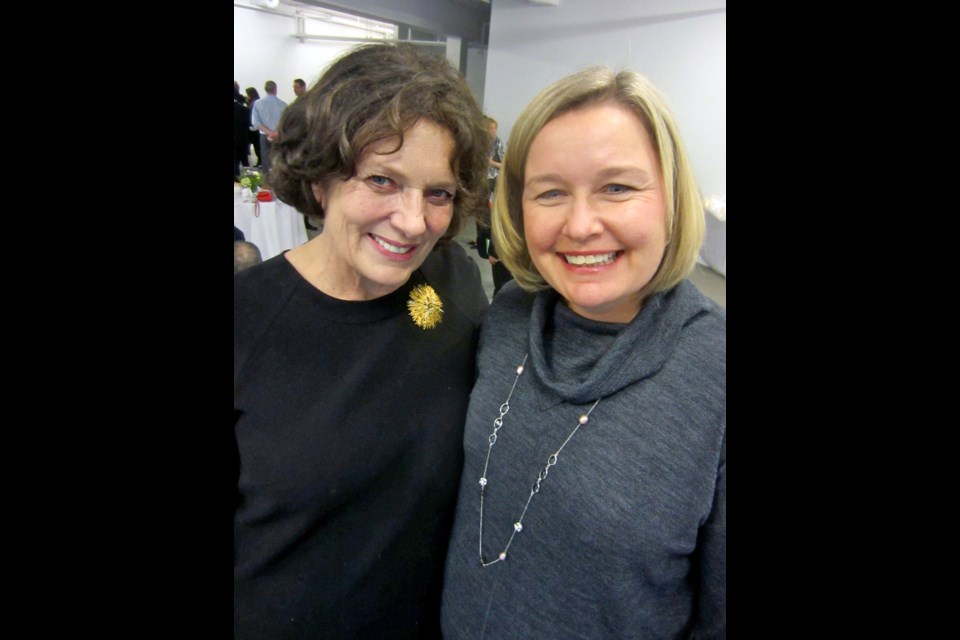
[[354, 355]]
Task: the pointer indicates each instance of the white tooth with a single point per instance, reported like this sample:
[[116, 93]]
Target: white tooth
[[601, 258], [391, 247]]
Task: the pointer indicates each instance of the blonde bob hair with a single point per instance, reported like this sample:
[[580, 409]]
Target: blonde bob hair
[[684, 215]]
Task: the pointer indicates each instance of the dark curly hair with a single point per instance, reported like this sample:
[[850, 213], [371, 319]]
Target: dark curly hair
[[373, 92]]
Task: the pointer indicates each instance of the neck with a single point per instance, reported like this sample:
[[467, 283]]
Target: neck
[[322, 266]]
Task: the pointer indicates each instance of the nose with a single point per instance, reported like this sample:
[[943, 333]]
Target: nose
[[409, 215], [583, 221]]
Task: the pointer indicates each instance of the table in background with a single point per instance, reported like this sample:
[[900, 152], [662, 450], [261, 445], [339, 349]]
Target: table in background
[[278, 226]]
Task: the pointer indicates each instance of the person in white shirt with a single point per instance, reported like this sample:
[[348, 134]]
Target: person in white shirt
[[266, 116]]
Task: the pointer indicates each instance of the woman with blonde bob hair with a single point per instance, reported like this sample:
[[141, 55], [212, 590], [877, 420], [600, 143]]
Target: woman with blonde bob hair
[[684, 220], [597, 507]]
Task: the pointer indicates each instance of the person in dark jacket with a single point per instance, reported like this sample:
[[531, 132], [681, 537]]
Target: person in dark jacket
[[241, 132]]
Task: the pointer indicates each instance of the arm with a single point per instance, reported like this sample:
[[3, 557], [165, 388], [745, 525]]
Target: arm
[[255, 115], [257, 122], [492, 256], [235, 455], [483, 240], [270, 133], [710, 610], [496, 159]]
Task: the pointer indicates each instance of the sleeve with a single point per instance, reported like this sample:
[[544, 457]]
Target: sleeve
[[234, 452], [483, 242], [255, 115], [491, 249], [710, 616]]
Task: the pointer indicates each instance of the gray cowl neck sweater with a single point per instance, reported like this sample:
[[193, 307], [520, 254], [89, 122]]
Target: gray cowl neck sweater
[[628, 352], [626, 539]]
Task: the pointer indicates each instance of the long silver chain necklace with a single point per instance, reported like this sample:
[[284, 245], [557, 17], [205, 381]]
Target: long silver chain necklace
[[535, 489]]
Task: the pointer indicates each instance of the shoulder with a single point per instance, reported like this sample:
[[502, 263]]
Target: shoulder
[[505, 328], [456, 278], [706, 321], [259, 295], [261, 289], [701, 343], [509, 313], [511, 300]]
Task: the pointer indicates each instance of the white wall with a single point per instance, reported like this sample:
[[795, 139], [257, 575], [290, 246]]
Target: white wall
[[679, 44], [476, 71], [264, 49]]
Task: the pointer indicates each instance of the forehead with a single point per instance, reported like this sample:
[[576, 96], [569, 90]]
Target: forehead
[[593, 135], [428, 148]]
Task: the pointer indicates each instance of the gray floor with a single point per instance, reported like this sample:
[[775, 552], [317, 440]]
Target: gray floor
[[486, 275], [711, 283]]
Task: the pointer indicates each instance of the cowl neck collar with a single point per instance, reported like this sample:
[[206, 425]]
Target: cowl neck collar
[[639, 351]]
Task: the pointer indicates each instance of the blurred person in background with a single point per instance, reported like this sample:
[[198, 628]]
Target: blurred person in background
[[252, 96]]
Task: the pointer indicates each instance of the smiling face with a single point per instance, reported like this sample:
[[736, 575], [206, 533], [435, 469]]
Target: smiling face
[[594, 214], [380, 225]]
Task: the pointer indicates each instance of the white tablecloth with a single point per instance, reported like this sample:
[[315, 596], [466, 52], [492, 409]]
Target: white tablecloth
[[278, 226]]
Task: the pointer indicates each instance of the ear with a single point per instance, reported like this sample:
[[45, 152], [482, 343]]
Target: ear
[[317, 189]]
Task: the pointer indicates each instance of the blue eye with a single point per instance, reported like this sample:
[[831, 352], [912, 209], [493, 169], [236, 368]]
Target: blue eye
[[617, 188], [439, 196], [379, 181], [553, 193]]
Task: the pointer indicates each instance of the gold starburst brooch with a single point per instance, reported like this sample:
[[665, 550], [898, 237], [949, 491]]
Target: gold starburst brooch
[[425, 306]]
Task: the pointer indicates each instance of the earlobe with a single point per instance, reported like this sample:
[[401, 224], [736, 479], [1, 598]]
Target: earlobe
[[317, 189]]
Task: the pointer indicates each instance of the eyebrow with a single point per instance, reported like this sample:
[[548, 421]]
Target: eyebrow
[[609, 172], [545, 178], [378, 165], [613, 172]]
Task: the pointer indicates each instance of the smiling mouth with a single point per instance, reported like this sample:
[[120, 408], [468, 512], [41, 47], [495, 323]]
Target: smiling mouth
[[393, 248], [591, 260]]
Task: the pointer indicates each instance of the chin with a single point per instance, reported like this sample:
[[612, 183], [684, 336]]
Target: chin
[[604, 308], [395, 276], [591, 301]]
